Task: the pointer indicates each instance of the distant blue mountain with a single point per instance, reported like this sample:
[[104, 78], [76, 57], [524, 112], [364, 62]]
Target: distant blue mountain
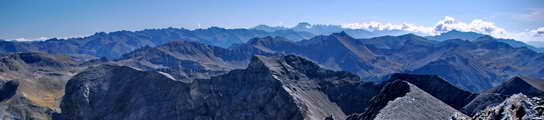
[[455, 34], [114, 44], [319, 29]]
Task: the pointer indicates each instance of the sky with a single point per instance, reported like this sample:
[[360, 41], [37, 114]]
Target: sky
[[42, 19]]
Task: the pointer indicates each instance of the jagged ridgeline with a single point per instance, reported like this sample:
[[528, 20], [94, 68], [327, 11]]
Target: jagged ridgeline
[[278, 87], [331, 76]]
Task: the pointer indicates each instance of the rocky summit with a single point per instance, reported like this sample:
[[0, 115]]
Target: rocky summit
[[278, 87], [401, 100], [516, 107], [531, 87]]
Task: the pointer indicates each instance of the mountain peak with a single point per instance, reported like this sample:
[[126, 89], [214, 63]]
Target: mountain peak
[[341, 34], [438, 87], [401, 99], [259, 62], [519, 84], [457, 32], [411, 36], [282, 63], [305, 25]]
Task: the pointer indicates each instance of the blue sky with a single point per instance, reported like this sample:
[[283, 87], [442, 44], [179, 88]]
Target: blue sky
[[32, 19]]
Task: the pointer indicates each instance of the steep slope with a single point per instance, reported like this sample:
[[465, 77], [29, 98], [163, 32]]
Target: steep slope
[[342, 53], [286, 87], [186, 60], [472, 65], [403, 100], [516, 107], [529, 86], [36, 84], [8, 89], [460, 70], [114, 92], [411, 50], [439, 88]]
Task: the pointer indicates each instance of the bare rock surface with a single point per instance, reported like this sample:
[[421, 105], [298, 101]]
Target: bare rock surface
[[278, 87], [401, 100], [531, 87]]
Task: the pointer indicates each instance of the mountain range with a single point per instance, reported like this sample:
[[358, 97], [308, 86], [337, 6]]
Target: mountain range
[[274, 87], [114, 44], [304, 72]]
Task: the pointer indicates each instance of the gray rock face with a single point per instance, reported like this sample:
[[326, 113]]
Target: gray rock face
[[114, 92], [36, 84], [531, 87], [286, 87], [516, 107], [439, 88], [401, 100], [528, 86]]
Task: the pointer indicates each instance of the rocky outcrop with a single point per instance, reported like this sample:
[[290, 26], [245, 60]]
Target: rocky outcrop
[[36, 86], [439, 88], [281, 87], [526, 85], [115, 92], [531, 87], [516, 107], [403, 100]]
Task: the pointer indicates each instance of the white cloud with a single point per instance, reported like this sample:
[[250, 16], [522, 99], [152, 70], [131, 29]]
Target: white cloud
[[530, 35], [477, 25], [450, 23], [31, 39], [378, 26], [444, 25]]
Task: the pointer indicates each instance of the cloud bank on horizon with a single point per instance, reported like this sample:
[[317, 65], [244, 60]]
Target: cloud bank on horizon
[[446, 24], [450, 23]]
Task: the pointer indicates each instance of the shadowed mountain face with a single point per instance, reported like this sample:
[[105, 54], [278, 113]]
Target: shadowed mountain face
[[403, 100], [114, 44], [32, 84], [8, 89], [531, 87], [471, 65], [437, 87], [337, 51], [286, 87], [193, 80]]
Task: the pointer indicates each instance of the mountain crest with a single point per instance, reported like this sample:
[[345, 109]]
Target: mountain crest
[[342, 34], [519, 84], [437, 87], [401, 99], [282, 63]]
